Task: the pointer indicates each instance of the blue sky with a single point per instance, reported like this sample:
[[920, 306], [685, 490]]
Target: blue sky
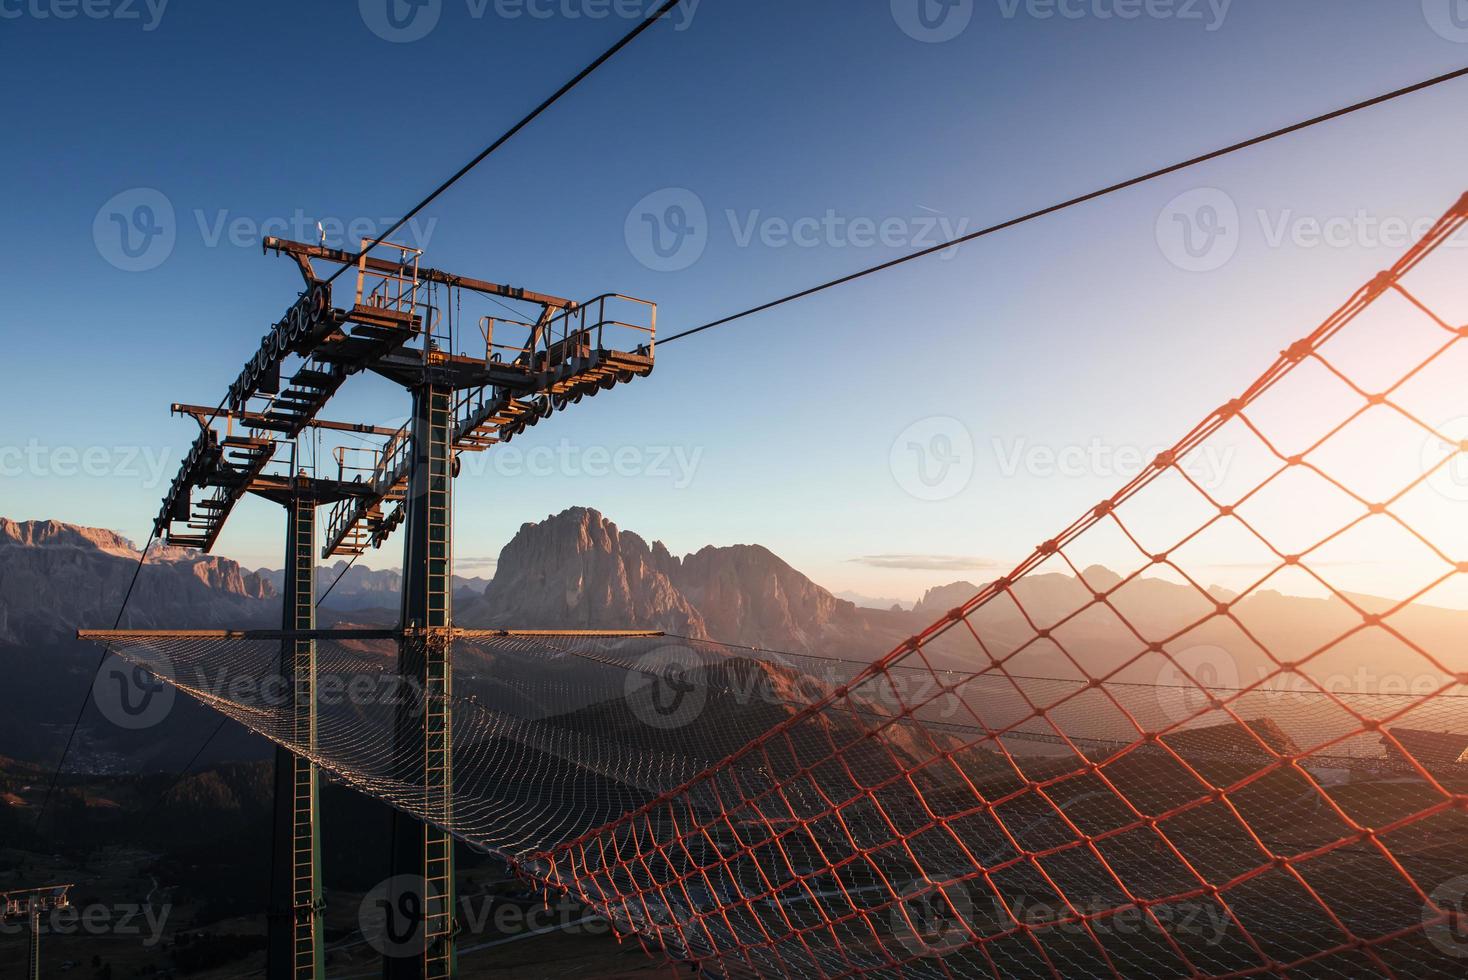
[[1087, 333]]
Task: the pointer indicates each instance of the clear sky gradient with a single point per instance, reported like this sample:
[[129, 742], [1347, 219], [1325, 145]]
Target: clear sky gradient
[[1087, 333]]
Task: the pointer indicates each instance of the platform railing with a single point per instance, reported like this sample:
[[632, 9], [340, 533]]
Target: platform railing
[[499, 351], [397, 290], [392, 463], [610, 313], [575, 332]]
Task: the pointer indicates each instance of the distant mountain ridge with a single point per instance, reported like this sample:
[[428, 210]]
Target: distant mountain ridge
[[359, 587], [56, 578], [577, 569]]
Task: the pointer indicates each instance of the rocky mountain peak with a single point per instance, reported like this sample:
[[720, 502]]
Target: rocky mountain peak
[[55, 534], [748, 594], [56, 578], [577, 569], [938, 600]]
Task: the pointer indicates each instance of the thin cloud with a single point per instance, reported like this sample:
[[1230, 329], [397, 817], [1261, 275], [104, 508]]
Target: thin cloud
[[926, 563]]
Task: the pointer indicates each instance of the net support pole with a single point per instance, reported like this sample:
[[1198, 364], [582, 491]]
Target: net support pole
[[295, 931], [33, 949], [422, 852]]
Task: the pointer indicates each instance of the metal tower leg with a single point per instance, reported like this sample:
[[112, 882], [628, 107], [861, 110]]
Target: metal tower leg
[[33, 954], [295, 948], [421, 851]]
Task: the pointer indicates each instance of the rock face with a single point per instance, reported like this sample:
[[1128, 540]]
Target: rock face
[[938, 600], [577, 569], [749, 595], [56, 578]]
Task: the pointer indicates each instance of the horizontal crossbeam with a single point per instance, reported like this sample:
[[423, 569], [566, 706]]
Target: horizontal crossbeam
[[104, 636], [304, 253]]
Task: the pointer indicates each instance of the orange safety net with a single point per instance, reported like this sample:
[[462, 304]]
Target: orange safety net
[[951, 811]]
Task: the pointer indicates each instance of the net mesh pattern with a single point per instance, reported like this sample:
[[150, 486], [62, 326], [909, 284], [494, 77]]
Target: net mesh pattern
[[1214, 727]]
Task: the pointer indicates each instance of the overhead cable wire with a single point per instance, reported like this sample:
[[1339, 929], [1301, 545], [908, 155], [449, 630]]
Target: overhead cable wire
[[82, 709], [1075, 201], [510, 133]]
